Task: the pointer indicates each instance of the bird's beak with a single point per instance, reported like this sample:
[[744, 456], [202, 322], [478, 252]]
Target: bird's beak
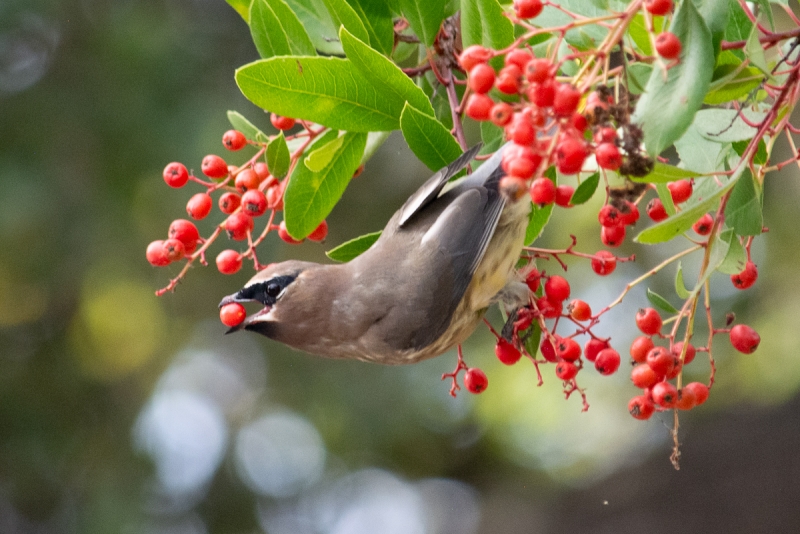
[[250, 319]]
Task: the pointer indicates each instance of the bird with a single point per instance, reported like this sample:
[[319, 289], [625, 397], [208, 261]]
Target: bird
[[421, 289]]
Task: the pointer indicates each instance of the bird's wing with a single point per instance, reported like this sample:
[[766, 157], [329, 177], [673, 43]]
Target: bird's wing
[[431, 188]]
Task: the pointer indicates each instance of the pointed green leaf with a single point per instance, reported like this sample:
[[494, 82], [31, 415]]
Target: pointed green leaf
[[540, 215], [483, 23], [242, 7], [726, 126], [277, 31], [386, 77], [737, 86], [663, 173], [353, 248], [424, 17], [318, 23], [344, 15], [278, 157], [680, 286], [585, 190], [328, 91], [431, 142], [716, 14], [319, 158], [743, 212], [378, 20], [660, 302], [736, 258], [639, 34], [531, 338], [764, 8], [697, 152], [239, 122], [666, 198], [310, 196], [684, 88]]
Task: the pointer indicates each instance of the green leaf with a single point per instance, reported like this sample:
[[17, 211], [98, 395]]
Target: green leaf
[[680, 287], [430, 141], [250, 131], [321, 157], [353, 248], [736, 258], [278, 157], [585, 189], [277, 31], [759, 158], [738, 85], [726, 126], [483, 23], [540, 215], [425, 17], [663, 173], [704, 199], [242, 7], [716, 14], [325, 90], [532, 338], [685, 86], [310, 196], [738, 28], [666, 198], [315, 18], [719, 252], [378, 20], [764, 8], [660, 302], [755, 52], [743, 211], [386, 77], [344, 15], [639, 35], [492, 137], [638, 74]]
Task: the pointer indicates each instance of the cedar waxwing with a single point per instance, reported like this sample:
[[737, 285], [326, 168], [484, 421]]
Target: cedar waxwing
[[421, 289]]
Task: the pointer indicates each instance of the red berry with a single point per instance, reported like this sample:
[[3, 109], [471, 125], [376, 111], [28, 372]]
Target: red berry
[[608, 156], [542, 94], [275, 197], [656, 211], [612, 236], [501, 114], [686, 399], [247, 179], [609, 216], [533, 279], [605, 135], [475, 380], [579, 310], [473, 55], [570, 154], [604, 263], [665, 395], [594, 101], [234, 140], [658, 7], [557, 288], [677, 348], [568, 349], [661, 361], [579, 122], [641, 407], [521, 168], [175, 174], [704, 224], [237, 225], [539, 70], [479, 107], [564, 194], [254, 203], [261, 170], [175, 249], [228, 202], [548, 350], [550, 309], [747, 277], [643, 376], [680, 190], [506, 352], [744, 339], [214, 166], [199, 206], [543, 191], [566, 370], [668, 45], [232, 314], [628, 213], [528, 9], [607, 361], [186, 232], [282, 123], [700, 392], [566, 100], [519, 57], [649, 321], [157, 254], [320, 233], [521, 131], [285, 236], [640, 347], [593, 347], [229, 261], [481, 78]]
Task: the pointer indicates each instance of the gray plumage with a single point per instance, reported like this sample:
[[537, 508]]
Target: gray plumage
[[423, 286]]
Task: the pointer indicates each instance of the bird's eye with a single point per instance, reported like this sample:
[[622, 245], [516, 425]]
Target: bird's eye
[[273, 289]]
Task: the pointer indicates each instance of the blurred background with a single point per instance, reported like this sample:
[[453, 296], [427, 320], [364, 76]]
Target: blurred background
[[123, 412]]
